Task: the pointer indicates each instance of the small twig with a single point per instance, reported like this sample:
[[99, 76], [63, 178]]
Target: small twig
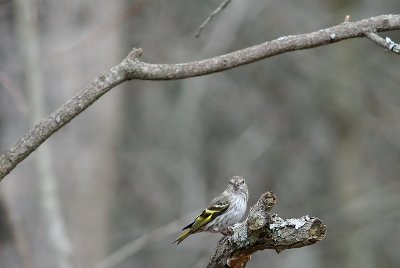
[[376, 39], [215, 12], [394, 47], [386, 43], [138, 244]]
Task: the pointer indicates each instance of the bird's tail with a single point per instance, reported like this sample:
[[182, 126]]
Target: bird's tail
[[182, 237]]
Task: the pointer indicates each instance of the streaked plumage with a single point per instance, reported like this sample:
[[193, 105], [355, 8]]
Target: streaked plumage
[[223, 211]]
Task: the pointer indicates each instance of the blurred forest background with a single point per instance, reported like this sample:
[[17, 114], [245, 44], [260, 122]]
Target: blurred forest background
[[320, 128]]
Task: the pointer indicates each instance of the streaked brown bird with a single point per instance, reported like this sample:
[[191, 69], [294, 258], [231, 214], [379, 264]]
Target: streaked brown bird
[[222, 212]]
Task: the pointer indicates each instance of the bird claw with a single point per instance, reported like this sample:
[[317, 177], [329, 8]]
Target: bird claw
[[228, 231]]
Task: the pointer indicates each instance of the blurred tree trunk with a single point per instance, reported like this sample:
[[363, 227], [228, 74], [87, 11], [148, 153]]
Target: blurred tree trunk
[[56, 243], [89, 164], [81, 178]]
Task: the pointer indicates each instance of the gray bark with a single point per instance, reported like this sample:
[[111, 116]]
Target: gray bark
[[262, 230]]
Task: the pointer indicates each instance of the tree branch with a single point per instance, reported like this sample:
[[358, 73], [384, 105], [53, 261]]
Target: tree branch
[[132, 68], [262, 230]]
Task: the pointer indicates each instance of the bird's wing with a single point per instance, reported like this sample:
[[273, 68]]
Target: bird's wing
[[216, 207], [221, 201]]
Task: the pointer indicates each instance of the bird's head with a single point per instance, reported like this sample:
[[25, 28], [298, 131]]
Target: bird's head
[[237, 183]]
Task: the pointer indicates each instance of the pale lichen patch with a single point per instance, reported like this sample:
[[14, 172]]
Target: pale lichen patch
[[240, 235]]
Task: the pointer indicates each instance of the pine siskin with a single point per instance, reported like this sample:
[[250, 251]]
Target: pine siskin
[[222, 212]]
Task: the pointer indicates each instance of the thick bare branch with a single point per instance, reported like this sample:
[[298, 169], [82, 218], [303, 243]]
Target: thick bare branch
[[262, 230], [132, 68]]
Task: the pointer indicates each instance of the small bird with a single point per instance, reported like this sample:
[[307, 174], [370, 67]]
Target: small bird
[[222, 212]]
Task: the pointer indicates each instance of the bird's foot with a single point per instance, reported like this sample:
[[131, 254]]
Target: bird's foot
[[228, 231]]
